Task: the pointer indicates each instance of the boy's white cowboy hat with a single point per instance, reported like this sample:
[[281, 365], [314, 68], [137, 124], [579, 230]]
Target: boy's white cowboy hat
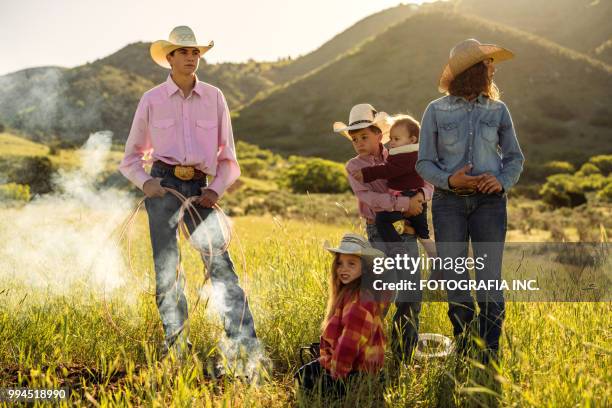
[[467, 53], [180, 37], [356, 245], [363, 116]]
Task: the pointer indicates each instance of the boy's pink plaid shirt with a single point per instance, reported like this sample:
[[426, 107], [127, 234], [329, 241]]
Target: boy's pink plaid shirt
[[192, 131]]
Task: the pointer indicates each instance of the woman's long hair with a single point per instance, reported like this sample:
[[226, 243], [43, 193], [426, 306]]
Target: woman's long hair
[[471, 82]]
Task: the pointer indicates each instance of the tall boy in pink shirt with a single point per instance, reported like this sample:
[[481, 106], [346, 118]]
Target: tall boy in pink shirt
[[184, 124], [368, 130]]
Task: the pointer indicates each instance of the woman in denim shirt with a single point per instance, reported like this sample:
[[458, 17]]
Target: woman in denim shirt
[[470, 153]]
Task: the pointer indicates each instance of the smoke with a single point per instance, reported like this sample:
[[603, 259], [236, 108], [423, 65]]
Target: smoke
[[51, 101], [242, 354], [31, 99], [63, 239]]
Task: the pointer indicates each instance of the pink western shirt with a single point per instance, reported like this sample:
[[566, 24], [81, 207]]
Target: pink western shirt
[[375, 196], [191, 131]]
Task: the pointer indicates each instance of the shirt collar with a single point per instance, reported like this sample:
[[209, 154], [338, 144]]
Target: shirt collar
[[172, 87], [382, 157], [482, 98]]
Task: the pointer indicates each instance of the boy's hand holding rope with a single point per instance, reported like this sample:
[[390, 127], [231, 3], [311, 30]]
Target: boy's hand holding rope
[[153, 189]]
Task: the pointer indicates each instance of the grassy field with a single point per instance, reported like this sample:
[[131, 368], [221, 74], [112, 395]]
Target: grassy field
[[73, 314], [105, 345]]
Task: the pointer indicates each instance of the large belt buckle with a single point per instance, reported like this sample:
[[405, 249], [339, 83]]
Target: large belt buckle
[[184, 173]]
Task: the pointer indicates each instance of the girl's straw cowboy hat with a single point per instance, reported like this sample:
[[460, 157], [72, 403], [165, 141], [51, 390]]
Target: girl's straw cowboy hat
[[356, 245], [363, 116], [467, 53], [181, 36]]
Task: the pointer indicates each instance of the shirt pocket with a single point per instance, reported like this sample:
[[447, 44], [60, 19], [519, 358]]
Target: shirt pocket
[[449, 133], [162, 132], [489, 130], [206, 130]]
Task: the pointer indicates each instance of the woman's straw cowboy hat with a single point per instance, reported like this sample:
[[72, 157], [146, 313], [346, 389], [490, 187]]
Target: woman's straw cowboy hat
[[363, 116], [467, 53], [354, 244], [181, 36]]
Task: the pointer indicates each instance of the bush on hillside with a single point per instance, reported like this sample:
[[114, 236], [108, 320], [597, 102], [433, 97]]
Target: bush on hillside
[[256, 162], [558, 167], [593, 182], [588, 169], [562, 190], [603, 163], [15, 192], [314, 175], [34, 171], [605, 194]]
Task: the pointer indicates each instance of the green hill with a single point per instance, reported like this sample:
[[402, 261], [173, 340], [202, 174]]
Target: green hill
[[583, 25], [560, 99], [50, 103], [399, 70], [239, 81], [70, 103], [343, 42]]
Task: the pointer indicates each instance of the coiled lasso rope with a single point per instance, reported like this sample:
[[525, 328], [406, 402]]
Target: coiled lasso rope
[[208, 252], [444, 345]]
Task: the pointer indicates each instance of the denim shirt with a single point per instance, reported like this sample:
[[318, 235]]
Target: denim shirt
[[455, 132]]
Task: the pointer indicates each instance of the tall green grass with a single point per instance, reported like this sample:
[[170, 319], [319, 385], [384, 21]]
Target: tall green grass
[[106, 348]]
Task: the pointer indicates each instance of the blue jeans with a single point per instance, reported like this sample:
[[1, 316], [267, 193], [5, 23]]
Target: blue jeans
[[406, 319], [170, 297], [481, 218]]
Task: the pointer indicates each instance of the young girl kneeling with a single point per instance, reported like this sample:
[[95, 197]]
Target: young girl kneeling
[[353, 338]]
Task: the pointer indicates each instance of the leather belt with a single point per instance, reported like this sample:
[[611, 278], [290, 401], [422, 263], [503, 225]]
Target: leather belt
[[462, 192], [184, 173]]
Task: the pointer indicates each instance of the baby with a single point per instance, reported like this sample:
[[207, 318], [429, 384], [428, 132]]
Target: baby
[[402, 179]]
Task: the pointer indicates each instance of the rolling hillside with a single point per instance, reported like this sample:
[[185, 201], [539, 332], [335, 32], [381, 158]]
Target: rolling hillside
[[51, 103], [279, 103], [557, 115], [582, 25]]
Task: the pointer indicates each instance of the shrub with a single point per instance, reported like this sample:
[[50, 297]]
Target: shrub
[[562, 190], [605, 194], [558, 167], [603, 163], [588, 169], [315, 176], [256, 168], [256, 162], [593, 182], [34, 171], [15, 192]]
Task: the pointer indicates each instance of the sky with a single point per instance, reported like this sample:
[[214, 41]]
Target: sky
[[72, 32]]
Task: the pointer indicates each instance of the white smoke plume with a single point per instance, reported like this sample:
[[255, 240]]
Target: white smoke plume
[[64, 238]]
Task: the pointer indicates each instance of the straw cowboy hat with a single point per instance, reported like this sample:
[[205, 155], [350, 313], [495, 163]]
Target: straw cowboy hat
[[181, 36], [467, 53], [356, 245], [363, 116]]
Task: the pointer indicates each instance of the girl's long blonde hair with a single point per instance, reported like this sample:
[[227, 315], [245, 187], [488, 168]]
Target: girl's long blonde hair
[[338, 290]]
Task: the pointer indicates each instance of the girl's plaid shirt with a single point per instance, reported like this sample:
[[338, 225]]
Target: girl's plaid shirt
[[353, 339]]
